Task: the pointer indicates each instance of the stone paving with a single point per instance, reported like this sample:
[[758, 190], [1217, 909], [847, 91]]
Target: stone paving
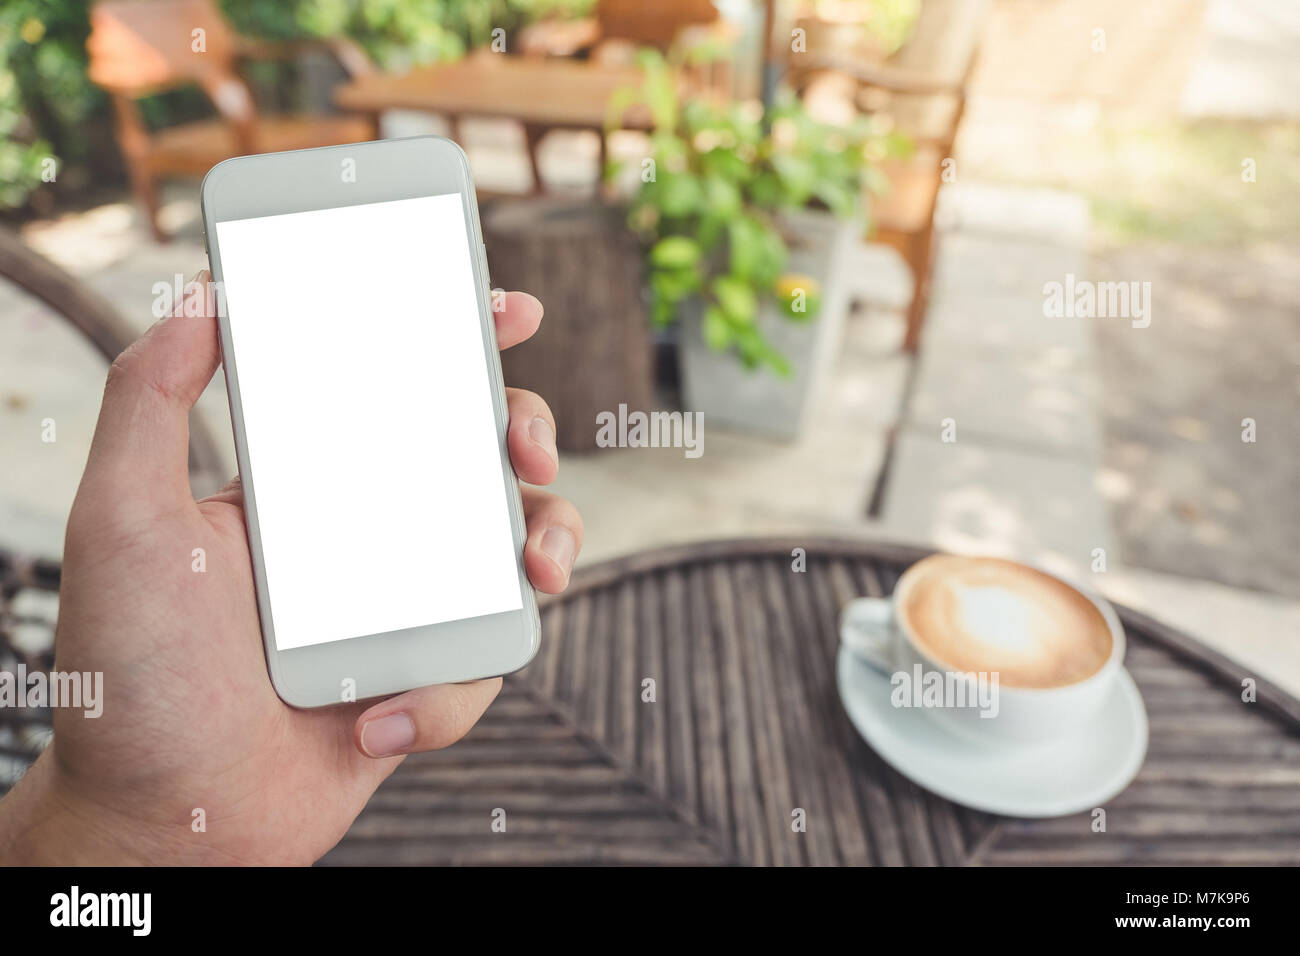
[[1188, 495], [999, 448], [1059, 421]]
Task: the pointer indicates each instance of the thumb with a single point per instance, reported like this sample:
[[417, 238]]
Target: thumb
[[141, 444]]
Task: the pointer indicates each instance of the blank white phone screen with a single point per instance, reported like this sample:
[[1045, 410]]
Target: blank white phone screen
[[372, 444]]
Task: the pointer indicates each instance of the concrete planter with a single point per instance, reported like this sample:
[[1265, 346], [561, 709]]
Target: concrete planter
[[759, 400]]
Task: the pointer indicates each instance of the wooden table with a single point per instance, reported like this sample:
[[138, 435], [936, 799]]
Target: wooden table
[[747, 725], [542, 94]]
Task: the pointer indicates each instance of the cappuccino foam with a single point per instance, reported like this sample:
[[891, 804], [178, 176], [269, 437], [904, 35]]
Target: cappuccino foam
[[986, 614]]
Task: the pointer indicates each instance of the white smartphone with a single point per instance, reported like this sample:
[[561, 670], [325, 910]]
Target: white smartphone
[[384, 518]]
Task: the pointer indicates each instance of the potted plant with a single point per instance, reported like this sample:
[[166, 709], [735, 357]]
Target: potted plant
[[748, 221]]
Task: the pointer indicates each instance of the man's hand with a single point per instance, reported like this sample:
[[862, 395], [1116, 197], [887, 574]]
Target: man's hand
[[190, 719]]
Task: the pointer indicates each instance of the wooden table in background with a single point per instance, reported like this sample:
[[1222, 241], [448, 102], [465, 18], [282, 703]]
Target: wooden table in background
[[541, 94]]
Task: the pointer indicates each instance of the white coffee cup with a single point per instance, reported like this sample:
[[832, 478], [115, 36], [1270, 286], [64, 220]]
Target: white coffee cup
[[877, 633]]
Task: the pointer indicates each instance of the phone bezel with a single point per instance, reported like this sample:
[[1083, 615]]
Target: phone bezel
[[384, 663]]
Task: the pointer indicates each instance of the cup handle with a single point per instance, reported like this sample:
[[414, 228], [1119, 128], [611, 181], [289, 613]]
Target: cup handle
[[867, 630]]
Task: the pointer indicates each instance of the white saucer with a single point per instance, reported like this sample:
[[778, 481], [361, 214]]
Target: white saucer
[[1032, 780]]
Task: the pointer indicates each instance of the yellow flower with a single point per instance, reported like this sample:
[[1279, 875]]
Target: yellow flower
[[799, 295]]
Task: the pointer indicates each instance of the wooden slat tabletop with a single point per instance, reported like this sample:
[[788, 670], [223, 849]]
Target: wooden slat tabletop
[[746, 725]]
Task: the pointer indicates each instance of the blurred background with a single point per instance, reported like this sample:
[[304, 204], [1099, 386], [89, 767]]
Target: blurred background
[[829, 227]]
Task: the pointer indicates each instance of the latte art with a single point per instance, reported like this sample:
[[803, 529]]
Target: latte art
[[986, 614]]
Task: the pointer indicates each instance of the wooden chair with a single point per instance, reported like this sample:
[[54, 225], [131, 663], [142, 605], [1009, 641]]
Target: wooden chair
[[618, 25], [923, 88], [141, 47]]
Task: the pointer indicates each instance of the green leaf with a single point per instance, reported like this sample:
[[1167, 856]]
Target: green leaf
[[717, 330], [736, 298], [774, 256], [660, 91], [838, 197], [798, 176], [745, 237], [668, 148], [619, 101], [679, 194], [749, 346], [721, 196], [766, 190], [777, 361], [698, 114], [709, 231], [673, 285], [675, 252], [758, 252], [754, 351], [663, 313], [725, 163]]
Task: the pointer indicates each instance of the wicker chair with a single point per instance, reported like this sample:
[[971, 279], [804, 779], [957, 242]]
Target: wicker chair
[[923, 88]]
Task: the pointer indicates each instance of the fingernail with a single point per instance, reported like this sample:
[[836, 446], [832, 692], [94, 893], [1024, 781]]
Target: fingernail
[[542, 433], [388, 736], [558, 545], [191, 289]]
